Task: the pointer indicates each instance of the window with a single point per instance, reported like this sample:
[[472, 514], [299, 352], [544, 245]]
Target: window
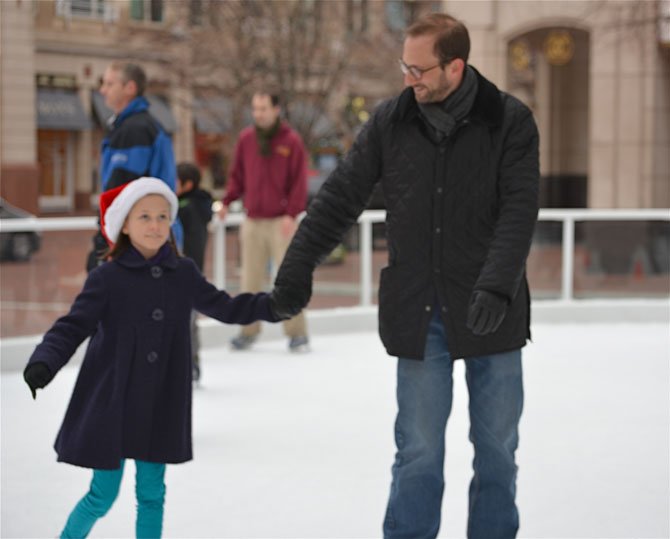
[[395, 18], [357, 15], [196, 12], [146, 10], [402, 13], [87, 9]]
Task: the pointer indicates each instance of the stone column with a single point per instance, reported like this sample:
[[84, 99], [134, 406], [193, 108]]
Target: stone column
[[83, 184], [629, 114], [487, 50], [656, 166], [182, 108], [19, 170]]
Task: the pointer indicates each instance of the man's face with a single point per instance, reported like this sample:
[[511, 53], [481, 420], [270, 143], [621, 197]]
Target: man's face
[[264, 112], [433, 85], [117, 93]]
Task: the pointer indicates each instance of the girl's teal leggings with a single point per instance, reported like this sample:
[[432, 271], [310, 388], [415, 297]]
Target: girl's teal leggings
[[150, 492]]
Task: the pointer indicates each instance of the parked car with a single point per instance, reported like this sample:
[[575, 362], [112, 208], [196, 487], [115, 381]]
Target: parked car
[[21, 245]]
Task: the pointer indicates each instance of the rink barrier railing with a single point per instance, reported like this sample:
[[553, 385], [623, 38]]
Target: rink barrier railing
[[568, 218]]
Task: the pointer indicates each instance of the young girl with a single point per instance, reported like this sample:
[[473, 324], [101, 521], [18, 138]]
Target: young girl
[[132, 398]]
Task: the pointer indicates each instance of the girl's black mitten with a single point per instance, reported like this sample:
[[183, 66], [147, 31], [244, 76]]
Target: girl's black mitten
[[37, 375]]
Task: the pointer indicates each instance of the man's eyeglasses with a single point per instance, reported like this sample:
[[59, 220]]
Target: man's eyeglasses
[[414, 71]]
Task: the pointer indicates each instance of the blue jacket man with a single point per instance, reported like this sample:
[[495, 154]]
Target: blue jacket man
[[136, 144]]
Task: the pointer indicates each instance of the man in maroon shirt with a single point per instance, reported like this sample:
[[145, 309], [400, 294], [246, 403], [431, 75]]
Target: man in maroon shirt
[[269, 173]]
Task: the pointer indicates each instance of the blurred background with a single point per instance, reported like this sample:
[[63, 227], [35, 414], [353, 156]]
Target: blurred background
[[596, 74]]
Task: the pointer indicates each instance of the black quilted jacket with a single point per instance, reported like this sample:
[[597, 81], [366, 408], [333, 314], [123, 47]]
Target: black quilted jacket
[[460, 216]]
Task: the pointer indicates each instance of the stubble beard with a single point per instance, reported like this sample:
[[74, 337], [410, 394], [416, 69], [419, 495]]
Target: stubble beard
[[435, 95]]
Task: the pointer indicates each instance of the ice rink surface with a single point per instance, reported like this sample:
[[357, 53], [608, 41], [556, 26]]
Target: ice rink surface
[[301, 446]]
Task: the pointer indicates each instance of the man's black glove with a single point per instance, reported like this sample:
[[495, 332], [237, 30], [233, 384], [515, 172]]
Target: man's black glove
[[288, 298], [37, 375], [486, 312]]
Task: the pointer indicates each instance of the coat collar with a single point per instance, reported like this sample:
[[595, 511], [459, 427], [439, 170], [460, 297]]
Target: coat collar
[[138, 104], [131, 258], [487, 108]]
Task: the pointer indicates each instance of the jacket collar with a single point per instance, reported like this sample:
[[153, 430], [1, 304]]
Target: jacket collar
[[283, 128], [131, 258], [138, 104], [487, 108]]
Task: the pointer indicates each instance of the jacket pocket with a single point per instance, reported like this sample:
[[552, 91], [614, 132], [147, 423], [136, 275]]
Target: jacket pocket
[[402, 307]]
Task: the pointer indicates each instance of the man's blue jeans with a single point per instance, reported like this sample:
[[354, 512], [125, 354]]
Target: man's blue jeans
[[424, 396], [150, 492]]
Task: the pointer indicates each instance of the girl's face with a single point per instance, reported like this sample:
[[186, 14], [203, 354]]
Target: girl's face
[[148, 224]]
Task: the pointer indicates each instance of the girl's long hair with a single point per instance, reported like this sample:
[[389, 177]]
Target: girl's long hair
[[123, 244]]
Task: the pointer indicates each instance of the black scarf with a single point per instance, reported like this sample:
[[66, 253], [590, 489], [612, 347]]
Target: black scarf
[[265, 136], [444, 115]]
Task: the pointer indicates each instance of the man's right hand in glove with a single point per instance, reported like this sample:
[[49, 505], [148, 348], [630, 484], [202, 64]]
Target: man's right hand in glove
[[288, 298], [37, 375]]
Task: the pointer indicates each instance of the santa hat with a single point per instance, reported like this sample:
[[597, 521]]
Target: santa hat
[[116, 203]]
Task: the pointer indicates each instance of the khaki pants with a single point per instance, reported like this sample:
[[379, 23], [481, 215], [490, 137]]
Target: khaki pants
[[262, 242]]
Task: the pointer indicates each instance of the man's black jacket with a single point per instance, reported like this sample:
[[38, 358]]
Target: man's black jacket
[[460, 217]]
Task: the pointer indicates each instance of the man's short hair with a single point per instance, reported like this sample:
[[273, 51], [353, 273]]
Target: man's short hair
[[451, 36], [132, 72], [189, 172], [272, 94]]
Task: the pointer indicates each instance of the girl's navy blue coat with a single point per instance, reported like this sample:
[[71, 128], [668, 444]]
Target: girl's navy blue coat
[[132, 398]]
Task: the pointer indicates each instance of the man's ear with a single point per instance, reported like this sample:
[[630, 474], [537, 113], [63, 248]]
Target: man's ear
[[456, 66], [131, 89]]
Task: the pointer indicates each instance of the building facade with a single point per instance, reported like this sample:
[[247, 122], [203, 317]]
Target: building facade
[[596, 74]]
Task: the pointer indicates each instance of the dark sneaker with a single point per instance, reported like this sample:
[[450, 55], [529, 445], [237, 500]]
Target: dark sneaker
[[242, 342], [298, 344]]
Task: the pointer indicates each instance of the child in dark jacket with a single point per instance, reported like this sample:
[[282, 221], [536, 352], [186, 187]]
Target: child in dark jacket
[[132, 398], [195, 213]]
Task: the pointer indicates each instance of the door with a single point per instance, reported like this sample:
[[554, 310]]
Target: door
[[55, 153]]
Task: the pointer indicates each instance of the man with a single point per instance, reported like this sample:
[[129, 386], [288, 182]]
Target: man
[[458, 163], [269, 171], [136, 145]]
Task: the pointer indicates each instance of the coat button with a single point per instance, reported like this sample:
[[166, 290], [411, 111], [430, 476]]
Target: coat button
[[444, 309], [156, 272], [437, 230], [436, 270], [439, 190], [428, 308], [152, 357], [157, 315]]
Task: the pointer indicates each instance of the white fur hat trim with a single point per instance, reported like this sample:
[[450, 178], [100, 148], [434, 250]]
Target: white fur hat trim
[[116, 213]]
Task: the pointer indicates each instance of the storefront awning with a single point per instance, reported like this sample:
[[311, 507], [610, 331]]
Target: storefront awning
[[212, 115], [60, 109], [158, 108]]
